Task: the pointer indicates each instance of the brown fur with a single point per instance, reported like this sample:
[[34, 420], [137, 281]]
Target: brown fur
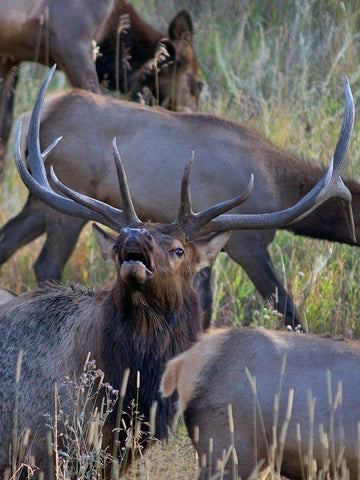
[[177, 73], [212, 375], [65, 32], [183, 372]]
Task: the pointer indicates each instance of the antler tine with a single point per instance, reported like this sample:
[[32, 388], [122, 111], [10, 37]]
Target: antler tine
[[34, 153], [342, 146], [76, 205], [341, 151], [192, 222], [126, 216], [185, 211], [126, 202], [108, 215], [330, 185]]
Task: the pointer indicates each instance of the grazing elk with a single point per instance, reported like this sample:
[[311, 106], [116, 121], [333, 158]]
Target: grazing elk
[[172, 76], [64, 31], [151, 313], [283, 412], [155, 145]]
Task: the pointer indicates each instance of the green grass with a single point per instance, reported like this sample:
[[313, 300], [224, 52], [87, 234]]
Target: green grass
[[277, 66]]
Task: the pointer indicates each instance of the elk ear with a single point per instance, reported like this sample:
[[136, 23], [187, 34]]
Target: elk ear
[[210, 246], [106, 243], [181, 27]]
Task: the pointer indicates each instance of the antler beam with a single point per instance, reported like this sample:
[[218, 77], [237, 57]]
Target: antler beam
[[331, 185]]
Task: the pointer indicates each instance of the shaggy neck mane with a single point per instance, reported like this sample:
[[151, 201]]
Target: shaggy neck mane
[[145, 337], [171, 318]]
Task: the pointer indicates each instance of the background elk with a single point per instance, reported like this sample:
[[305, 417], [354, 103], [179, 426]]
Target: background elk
[[64, 31], [151, 313], [155, 145], [276, 401]]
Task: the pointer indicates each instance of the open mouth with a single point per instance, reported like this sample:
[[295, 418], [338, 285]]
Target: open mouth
[[137, 257], [135, 266], [134, 257]]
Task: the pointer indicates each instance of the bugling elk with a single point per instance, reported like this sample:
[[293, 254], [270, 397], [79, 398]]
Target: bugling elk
[[152, 312], [155, 145], [132, 54], [254, 399]]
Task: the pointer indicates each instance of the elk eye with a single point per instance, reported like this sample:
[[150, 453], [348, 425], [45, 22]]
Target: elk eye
[[179, 252]]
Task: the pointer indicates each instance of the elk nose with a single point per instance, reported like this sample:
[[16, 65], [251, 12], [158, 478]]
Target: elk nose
[[133, 236]]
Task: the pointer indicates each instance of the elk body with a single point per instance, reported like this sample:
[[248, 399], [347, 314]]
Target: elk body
[[258, 373], [64, 31], [155, 145], [151, 313]]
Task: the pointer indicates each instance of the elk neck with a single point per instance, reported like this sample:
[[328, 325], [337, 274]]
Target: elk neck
[[138, 45], [163, 318], [142, 337]]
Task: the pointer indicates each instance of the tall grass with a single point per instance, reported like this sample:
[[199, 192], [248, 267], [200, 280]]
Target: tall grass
[[277, 66]]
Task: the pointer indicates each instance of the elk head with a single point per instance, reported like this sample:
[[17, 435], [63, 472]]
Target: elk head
[[193, 240]]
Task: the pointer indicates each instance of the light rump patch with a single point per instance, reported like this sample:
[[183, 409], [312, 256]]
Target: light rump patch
[[184, 372]]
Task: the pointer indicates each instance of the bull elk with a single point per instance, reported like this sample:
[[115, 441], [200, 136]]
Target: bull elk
[[151, 313], [248, 403], [129, 59], [155, 145]]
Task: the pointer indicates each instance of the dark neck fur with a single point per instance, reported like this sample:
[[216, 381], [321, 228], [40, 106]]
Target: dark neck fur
[[138, 43], [143, 338]]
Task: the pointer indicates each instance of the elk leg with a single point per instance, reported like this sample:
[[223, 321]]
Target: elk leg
[[202, 284], [78, 67], [249, 249], [62, 234], [22, 229], [8, 79]]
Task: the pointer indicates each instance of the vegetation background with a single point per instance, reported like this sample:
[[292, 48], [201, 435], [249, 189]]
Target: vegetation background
[[277, 66]]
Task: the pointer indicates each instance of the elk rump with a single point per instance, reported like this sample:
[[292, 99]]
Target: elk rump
[[248, 403]]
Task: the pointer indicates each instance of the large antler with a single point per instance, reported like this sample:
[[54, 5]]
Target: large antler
[[193, 224], [77, 205], [331, 185]]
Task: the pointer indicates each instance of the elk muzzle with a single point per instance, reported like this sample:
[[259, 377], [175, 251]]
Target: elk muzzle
[[135, 247]]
